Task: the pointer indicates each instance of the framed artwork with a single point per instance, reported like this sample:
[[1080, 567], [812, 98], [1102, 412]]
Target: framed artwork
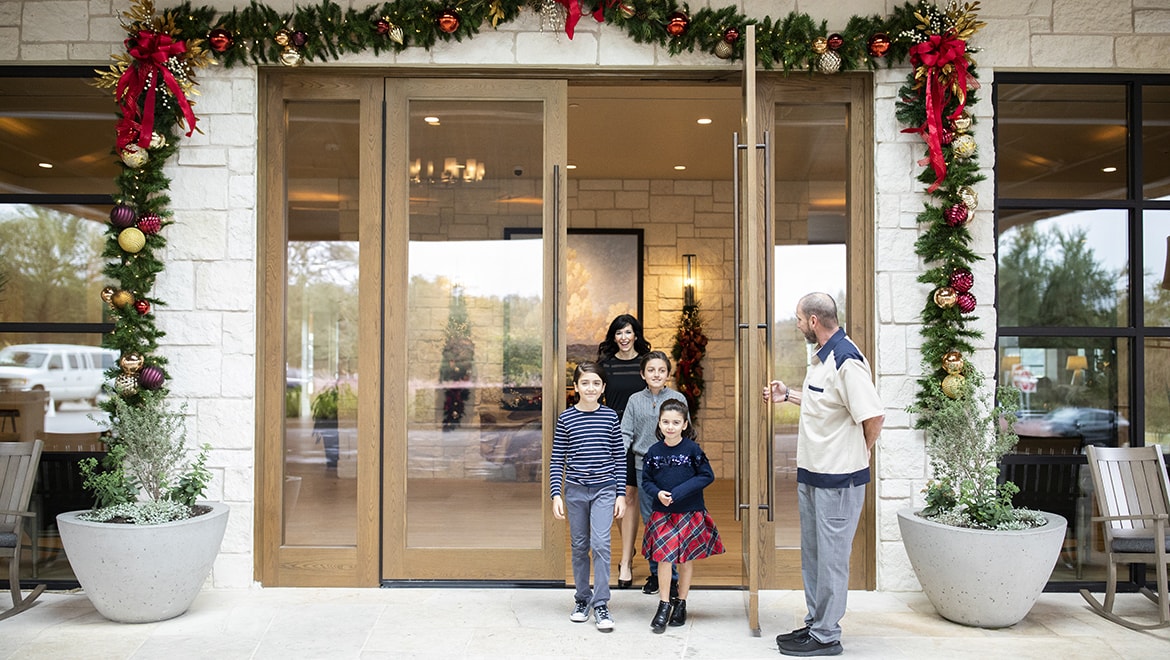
[[604, 279]]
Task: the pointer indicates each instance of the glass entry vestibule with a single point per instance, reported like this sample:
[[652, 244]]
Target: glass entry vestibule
[[426, 279]]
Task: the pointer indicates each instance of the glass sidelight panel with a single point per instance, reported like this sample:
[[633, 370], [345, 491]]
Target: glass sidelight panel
[[474, 334], [321, 325]]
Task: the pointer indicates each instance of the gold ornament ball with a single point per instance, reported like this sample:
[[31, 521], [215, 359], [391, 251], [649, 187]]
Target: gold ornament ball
[[122, 299], [962, 122], [723, 50], [290, 56], [953, 362], [969, 196], [132, 240], [108, 294], [157, 141], [134, 157], [126, 385], [820, 45], [131, 362], [282, 37], [829, 62], [953, 384], [964, 145], [946, 297]]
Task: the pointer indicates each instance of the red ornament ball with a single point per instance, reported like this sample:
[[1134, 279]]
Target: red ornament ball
[[836, 41], [957, 215], [149, 224], [962, 280], [123, 216], [142, 306], [966, 302], [878, 44], [220, 39], [946, 137], [731, 35], [382, 26], [150, 377], [448, 21], [677, 24]]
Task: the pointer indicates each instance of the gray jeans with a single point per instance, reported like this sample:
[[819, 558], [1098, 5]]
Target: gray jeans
[[590, 514], [828, 520]]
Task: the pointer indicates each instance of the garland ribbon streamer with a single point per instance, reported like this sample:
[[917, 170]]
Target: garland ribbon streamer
[[941, 63], [150, 50], [574, 7]]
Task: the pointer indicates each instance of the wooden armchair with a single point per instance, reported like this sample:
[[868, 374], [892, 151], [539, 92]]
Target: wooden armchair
[[18, 471], [1133, 497]]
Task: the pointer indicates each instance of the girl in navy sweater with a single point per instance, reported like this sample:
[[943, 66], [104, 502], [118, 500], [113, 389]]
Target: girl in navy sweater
[[675, 472]]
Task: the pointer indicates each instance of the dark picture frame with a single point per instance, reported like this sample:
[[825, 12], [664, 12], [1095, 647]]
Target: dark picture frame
[[611, 261]]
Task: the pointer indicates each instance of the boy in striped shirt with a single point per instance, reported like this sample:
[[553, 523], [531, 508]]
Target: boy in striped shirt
[[587, 482]]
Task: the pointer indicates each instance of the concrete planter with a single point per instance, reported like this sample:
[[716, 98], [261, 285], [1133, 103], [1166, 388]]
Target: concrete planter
[[142, 573], [980, 577]]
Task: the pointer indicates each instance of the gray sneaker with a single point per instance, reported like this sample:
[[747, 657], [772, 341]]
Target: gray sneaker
[[604, 620], [580, 612]]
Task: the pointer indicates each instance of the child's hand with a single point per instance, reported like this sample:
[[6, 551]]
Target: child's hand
[[558, 508], [665, 498], [619, 506]]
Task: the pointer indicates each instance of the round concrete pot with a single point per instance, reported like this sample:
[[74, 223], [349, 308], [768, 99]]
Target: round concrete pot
[[142, 573], [979, 577]]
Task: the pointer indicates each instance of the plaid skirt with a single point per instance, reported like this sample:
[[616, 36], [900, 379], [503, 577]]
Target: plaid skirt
[[680, 537]]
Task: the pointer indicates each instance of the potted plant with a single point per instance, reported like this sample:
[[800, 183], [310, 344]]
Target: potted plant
[[143, 553], [980, 560]]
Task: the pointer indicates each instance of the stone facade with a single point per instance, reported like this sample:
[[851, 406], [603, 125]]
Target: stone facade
[[210, 281]]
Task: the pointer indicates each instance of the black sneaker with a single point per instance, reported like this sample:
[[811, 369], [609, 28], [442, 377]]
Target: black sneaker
[[809, 646], [651, 586], [789, 636]]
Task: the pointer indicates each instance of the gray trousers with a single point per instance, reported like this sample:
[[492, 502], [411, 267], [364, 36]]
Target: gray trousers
[[828, 520], [590, 514]]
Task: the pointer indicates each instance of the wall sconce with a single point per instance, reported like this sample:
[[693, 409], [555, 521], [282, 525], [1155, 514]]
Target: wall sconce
[[688, 280], [1077, 364]]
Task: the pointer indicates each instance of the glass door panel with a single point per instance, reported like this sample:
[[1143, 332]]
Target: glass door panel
[[477, 296]]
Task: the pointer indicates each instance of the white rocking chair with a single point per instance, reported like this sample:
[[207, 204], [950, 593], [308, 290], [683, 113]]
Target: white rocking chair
[[18, 471]]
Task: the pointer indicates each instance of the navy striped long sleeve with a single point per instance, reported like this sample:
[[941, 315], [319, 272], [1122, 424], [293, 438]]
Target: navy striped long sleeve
[[587, 450]]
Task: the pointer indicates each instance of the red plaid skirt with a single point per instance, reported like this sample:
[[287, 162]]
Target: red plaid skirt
[[680, 537]]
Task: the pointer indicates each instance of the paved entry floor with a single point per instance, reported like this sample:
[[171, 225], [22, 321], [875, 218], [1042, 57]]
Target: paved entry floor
[[534, 623]]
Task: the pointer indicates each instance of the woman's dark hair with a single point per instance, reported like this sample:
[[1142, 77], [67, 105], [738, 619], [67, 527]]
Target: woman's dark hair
[[608, 348], [655, 355], [674, 405], [589, 368]]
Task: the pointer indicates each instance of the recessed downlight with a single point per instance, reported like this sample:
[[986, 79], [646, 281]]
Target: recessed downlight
[[703, 121], [47, 166], [431, 120], [570, 166], [1109, 170], [680, 167]]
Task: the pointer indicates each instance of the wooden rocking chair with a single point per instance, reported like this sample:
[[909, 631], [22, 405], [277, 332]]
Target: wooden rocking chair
[[18, 471], [1133, 497]]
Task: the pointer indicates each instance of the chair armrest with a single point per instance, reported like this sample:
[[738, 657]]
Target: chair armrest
[[26, 514], [1148, 516]]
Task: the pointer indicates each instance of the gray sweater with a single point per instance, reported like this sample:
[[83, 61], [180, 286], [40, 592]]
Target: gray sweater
[[641, 419]]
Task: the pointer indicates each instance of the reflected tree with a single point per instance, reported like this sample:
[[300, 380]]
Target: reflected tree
[[1049, 278], [52, 261]]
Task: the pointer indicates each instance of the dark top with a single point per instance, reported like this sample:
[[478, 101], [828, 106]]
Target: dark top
[[683, 470], [623, 378]]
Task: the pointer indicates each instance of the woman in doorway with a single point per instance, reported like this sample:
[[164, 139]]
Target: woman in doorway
[[620, 355]]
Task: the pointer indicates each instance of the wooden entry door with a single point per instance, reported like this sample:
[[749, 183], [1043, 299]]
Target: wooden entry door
[[472, 334]]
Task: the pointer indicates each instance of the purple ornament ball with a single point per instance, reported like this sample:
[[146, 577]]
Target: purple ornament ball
[[123, 216], [957, 215], [150, 377], [966, 302]]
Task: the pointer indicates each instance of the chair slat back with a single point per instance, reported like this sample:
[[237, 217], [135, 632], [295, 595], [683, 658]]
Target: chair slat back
[[1129, 481], [18, 470]]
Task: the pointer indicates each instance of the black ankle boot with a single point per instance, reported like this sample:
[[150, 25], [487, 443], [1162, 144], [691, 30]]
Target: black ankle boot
[[658, 624], [678, 617]]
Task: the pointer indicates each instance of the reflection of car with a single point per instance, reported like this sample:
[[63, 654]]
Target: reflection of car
[[66, 371], [1095, 426]]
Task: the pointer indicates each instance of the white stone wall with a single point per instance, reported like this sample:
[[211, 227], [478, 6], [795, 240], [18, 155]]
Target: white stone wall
[[211, 272]]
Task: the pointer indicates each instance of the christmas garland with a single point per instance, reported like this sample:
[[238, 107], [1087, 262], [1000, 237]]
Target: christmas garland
[[933, 103], [690, 345]]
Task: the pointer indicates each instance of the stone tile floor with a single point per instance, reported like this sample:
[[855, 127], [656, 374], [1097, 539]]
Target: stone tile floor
[[534, 623]]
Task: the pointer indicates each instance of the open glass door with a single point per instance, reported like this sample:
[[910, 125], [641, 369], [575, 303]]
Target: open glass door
[[474, 362], [752, 336]]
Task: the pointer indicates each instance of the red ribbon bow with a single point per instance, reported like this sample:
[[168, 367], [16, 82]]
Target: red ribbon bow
[[150, 50], [574, 8], [932, 58]]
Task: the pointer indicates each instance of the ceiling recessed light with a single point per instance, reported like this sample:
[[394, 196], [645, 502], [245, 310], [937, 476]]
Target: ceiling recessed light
[[570, 166], [47, 166], [1109, 169], [431, 120], [680, 167], [703, 121]]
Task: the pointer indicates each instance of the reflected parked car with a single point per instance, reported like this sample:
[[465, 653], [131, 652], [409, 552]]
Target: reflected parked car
[[68, 372], [1095, 426]]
